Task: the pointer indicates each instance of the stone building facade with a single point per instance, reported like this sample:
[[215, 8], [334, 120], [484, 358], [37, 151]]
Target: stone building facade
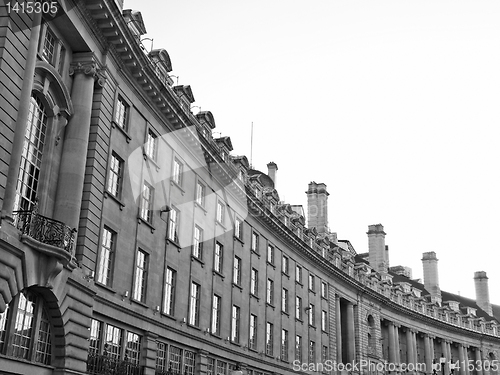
[[133, 242]]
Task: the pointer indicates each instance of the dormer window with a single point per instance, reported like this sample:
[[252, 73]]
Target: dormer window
[[471, 311]]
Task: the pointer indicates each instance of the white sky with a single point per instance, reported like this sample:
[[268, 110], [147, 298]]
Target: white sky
[[393, 104]]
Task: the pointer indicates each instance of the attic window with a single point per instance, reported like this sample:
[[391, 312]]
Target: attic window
[[471, 311]]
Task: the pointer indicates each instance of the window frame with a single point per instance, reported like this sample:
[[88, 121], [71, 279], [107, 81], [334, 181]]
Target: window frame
[[111, 249], [147, 203], [270, 291], [151, 144], [173, 224], [237, 270], [269, 338], [139, 291], [33, 315], [216, 315], [194, 304], [168, 305], [270, 254], [235, 324], [197, 248], [284, 300], [121, 113], [115, 178], [177, 171], [218, 257]]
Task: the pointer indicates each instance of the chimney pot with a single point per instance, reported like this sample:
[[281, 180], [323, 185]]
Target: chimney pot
[[431, 276], [378, 251], [272, 171], [482, 291], [317, 207]]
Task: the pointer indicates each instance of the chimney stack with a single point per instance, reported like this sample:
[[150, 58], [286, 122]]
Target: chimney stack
[[272, 171], [431, 277], [317, 207], [482, 292], [378, 252]]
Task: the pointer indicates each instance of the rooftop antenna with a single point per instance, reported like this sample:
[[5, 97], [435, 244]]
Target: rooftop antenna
[[251, 146]]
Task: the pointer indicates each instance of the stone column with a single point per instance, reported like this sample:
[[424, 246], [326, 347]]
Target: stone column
[[461, 359], [392, 343], [449, 356], [444, 353], [479, 362], [339, 328], [410, 354], [76, 138], [351, 345], [22, 120], [415, 346], [398, 349], [466, 359], [428, 356]]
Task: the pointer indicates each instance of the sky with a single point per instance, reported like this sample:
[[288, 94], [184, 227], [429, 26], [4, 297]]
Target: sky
[[394, 105]]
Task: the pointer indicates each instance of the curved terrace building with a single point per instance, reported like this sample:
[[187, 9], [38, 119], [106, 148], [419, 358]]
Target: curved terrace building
[[133, 241]]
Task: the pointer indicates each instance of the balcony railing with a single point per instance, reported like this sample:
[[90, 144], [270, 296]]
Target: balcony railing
[[105, 365], [45, 230]]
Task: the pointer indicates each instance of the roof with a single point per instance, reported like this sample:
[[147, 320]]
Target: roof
[[263, 178]]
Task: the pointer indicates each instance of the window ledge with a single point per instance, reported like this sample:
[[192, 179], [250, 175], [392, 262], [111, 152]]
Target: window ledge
[[313, 327], [150, 159], [114, 124], [218, 273], [198, 260], [168, 316], [254, 296], [196, 204], [285, 313], [139, 303], [176, 244], [104, 286], [141, 220], [193, 326], [239, 240], [299, 320], [256, 253], [271, 264], [238, 286], [285, 274], [299, 283], [217, 222], [107, 194], [312, 291], [270, 305], [173, 183]]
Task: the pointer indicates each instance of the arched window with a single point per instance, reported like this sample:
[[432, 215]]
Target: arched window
[[31, 158], [25, 330]]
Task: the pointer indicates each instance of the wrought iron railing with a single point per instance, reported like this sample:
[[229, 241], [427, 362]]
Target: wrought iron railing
[[105, 365], [45, 230], [167, 372]]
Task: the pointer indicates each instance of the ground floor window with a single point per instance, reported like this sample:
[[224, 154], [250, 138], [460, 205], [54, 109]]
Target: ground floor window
[[113, 350], [25, 329]]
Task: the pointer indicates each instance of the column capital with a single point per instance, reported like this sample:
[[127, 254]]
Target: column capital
[[86, 63]]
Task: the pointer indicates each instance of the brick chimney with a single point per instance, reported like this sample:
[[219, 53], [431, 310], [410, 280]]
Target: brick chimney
[[317, 207], [482, 291], [378, 252], [272, 171], [431, 277]]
